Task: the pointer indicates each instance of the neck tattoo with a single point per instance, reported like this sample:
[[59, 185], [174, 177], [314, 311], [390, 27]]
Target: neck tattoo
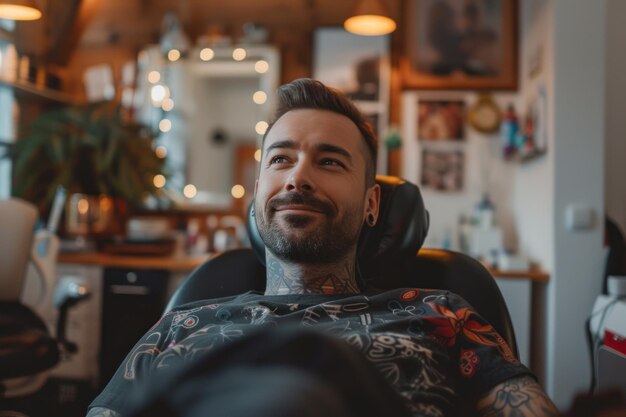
[[284, 278]]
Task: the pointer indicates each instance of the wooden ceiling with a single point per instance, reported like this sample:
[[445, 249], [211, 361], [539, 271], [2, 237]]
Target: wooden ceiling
[[71, 24], [140, 20]]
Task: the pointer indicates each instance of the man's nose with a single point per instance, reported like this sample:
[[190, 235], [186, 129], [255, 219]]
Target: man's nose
[[300, 178]]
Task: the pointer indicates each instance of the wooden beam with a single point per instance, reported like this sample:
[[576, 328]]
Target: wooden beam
[[80, 13]]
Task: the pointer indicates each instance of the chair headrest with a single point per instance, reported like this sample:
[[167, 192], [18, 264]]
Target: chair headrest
[[398, 234]]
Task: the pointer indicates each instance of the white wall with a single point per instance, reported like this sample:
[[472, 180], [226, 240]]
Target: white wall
[[485, 170], [570, 34], [226, 104], [578, 127], [615, 151], [533, 182]]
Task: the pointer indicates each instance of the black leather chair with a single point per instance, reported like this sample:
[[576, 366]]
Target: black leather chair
[[616, 258], [27, 349], [388, 258]]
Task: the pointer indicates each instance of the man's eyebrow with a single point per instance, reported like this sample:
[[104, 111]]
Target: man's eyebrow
[[322, 147], [281, 144], [327, 147]]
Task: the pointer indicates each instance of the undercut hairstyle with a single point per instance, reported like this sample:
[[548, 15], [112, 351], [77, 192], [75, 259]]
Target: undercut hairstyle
[[306, 93]]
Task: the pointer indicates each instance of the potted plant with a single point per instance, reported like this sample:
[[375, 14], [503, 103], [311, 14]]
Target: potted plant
[[88, 149]]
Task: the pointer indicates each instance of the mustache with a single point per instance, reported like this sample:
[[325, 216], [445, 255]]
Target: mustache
[[301, 198]]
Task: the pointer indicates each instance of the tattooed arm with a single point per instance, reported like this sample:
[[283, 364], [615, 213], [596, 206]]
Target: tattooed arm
[[521, 397], [102, 412]]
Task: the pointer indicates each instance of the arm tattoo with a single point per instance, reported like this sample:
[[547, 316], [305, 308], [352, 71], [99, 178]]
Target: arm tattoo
[[517, 397], [102, 412]]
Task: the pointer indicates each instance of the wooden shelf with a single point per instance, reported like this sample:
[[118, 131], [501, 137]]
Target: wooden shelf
[[533, 274], [187, 263], [30, 90]]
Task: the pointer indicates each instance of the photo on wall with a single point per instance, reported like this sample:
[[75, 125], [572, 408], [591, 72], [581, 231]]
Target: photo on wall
[[459, 44], [441, 120], [360, 67], [443, 170], [356, 65]]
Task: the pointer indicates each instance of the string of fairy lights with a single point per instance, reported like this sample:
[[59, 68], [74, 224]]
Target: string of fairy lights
[[161, 98]]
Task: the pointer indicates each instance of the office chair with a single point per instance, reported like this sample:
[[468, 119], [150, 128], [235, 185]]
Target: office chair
[[388, 258], [616, 258], [28, 350]]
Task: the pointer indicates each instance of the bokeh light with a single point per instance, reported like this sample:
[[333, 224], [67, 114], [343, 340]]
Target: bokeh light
[[261, 127], [154, 77], [207, 54], [190, 191], [239, 54], [238, 191], [158, 181], [261, 66], [165, 125], [173, 55], [259, 97]]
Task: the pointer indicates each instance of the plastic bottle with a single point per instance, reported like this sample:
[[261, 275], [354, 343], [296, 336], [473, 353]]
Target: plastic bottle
[[509, 131], [485, 212], [464, 233]]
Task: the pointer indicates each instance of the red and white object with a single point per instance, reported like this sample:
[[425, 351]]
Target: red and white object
[[608, 322], [615, 327]]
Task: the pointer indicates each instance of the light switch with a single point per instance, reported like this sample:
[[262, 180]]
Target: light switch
[[579, 217]]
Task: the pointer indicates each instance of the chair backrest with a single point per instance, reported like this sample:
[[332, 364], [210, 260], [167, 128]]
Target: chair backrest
[[17, 223], [387, 259], [399, 232]]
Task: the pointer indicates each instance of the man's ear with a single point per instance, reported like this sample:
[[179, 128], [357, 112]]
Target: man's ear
[[372, 201]]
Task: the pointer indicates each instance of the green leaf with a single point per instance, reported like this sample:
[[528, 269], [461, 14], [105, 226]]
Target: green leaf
[[88, 148]]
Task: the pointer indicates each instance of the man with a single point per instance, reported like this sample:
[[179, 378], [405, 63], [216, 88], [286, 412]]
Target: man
[[408, 350]]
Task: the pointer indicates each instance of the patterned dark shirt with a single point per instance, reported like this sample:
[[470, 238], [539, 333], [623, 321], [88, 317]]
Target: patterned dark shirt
[[431, 345]]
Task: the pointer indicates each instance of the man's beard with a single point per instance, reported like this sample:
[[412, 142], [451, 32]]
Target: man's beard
[[332, 240]]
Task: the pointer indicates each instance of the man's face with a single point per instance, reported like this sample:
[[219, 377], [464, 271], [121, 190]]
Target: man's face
[[311, 198]]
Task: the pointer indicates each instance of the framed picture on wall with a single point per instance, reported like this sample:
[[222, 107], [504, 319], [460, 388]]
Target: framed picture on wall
[[443, 170], [356, 65], [460, 44], [441, 120], [360, 67]]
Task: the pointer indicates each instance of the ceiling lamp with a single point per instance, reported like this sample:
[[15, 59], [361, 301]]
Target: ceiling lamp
[[19, 10], [370, 19]]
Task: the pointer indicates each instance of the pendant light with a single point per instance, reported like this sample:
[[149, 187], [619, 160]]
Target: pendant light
[[370, 19], [19, 10]]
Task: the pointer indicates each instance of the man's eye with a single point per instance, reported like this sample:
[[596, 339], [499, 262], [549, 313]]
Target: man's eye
[[331, 162], [279, 159]]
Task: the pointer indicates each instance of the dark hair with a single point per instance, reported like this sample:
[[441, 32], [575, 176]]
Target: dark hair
[[305, 93]]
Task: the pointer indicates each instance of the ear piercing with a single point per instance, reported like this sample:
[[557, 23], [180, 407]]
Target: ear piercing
[[370, 220]]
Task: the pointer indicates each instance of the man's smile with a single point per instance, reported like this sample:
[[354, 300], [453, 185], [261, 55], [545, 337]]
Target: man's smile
[[298, 209], [300, 204]]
